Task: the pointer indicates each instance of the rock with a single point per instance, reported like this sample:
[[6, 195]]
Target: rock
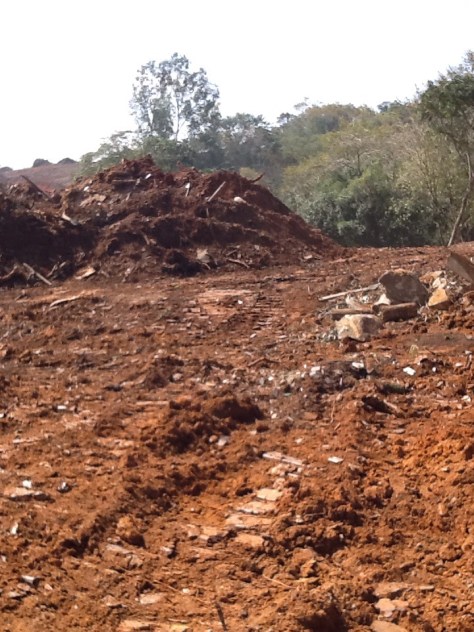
[[148, 599], [462, 266], [390, 589], [432, 278], [402, 286], [358, 326], [403, 311], [247, 521], [386, 626], [250, 541], [22, 493], [382, 300], [128, 530], [269, 494], [133, 625], [440, 299], [450, 552], [387, 607], [257, 507]]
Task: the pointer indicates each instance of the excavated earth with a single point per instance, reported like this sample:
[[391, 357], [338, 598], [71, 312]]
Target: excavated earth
[[202, 453]]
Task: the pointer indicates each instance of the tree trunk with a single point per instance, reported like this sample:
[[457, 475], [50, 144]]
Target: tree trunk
[[464, 202]]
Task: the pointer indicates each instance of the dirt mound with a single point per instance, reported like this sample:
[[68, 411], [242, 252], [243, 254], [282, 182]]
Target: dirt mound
[[134, 219]]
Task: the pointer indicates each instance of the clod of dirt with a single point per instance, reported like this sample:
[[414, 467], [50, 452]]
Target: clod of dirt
[[189, 422]]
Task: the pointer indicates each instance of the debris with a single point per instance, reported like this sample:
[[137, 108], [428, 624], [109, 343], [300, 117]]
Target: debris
[[66, 299], [360, 290], [135, 625], [340, 312], [86, 274], [20, 493], [239, 262], [220, 614], [31, 580], [257, 507], [402, 286], [218, 190], [358, 327], [37, 274], [386, 626], [462, 266], [392, 387], [269, 494], [278, 456], [402, 311], [128, 530], [387, 607], [148, 599], [390, 589], [440, 299], [250, 540], [372, 402], [36, 188], [409, 371]]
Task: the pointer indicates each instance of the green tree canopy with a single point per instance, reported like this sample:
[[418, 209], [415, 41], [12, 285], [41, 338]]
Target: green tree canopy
[[447, 105]]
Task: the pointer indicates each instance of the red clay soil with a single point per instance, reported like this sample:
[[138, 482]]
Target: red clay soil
[[203, 454], [134, 220]]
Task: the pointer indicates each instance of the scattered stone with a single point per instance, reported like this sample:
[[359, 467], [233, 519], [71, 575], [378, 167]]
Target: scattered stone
[[390, 589], [403, 311], [247, 521], [402, 286], [450, 552], [431, 277], [462, 266], [269, 494], [440, 299], [128, 530], [21, 493], [257, 507], [148, 599], [134, 625], [335, 459], [283, 458], [358, 327], [212, 535], [250, 540], [31, 580], [386, 626], [387, 607], [111, 602]]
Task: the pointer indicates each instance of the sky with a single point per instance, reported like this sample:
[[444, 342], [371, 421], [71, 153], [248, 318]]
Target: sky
[[68, 68]]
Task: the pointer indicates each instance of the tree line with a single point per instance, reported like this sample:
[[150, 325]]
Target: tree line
[[398, 175]]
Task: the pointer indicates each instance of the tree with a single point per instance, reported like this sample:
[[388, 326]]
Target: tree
[[171, 102], [447, 105], [120, 145]]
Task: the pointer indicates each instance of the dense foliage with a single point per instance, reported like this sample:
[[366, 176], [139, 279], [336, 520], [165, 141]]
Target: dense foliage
[[398, 175]]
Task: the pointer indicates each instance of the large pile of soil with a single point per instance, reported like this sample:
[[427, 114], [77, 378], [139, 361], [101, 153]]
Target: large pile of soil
[[135, 218]]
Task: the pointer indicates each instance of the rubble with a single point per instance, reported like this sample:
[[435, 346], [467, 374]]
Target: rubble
[[440, 299], [402, 286], [134, 219], [358, 326]]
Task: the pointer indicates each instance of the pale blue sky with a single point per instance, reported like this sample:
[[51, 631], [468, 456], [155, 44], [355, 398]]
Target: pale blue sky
[[68, 67]]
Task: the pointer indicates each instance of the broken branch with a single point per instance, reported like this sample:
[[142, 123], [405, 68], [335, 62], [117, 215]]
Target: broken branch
[[359, 290], [37, 274]]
